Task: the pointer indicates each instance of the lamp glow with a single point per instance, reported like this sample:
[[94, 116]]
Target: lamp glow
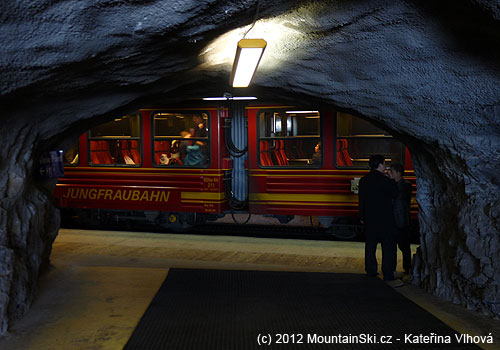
[[248, 55], [236, 98]]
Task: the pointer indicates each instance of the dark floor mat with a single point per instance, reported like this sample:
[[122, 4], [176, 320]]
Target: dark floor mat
[[220, 309]]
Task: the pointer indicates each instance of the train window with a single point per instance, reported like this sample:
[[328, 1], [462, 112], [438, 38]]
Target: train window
[[72, 155], [290, 139], [358, 139], [116, 143], [181, 139]]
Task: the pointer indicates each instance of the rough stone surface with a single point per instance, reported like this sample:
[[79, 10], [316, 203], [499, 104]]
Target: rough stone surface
[[428, 73]]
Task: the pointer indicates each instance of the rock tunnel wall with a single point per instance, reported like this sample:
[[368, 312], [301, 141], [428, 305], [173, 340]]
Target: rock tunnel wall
[[430, 74]]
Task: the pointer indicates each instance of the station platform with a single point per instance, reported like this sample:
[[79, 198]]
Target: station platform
[[101, 282]]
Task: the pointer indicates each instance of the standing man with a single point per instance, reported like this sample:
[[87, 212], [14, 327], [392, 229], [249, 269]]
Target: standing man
[[200, 131], [376, 193], [402, 214]]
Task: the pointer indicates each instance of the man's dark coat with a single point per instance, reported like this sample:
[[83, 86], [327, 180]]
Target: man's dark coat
[[376, 193]]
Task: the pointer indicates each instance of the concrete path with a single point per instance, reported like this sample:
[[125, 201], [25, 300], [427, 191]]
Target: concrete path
[[101, 282]]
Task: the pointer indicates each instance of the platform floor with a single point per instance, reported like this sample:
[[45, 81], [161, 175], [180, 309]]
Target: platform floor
[[101, 282]]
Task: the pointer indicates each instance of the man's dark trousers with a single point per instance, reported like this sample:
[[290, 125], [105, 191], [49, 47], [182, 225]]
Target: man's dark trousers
[[403, 240], [387, 237]]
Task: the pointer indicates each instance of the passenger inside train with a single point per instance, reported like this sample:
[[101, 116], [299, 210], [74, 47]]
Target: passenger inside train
[[175, 134], [316, 158], [185, 143], [164, 159], [175, 154], [198, 153]]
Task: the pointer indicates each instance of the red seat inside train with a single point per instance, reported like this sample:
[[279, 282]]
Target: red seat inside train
[[99, 152], [129, 150], [134, 151], [265, 157], [124, 151], [279, 153], [343, 157]]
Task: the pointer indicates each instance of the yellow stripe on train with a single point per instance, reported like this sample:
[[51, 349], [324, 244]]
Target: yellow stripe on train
[[210, 196], [306, 198], [296, 197]]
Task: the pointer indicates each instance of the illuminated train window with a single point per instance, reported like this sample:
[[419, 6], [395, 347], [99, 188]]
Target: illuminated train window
[[358, 139], [72, 155], [290, 139], [116, 143], [181, 139]]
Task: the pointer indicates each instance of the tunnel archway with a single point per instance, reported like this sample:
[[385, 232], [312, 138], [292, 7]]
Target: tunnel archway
[[427, 77]]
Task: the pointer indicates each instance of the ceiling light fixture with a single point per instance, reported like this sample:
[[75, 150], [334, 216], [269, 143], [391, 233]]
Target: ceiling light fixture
[[248, 55], [224, 98]]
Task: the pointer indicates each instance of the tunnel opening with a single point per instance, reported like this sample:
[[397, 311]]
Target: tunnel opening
[[338, 225]]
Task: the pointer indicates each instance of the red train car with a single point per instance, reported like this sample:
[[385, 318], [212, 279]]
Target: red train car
[[293, 181], [176, 167]]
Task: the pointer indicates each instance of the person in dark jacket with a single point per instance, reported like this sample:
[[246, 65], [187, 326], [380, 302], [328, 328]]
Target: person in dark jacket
[[401, 206], [200, 129], [316, 158], [376, 194]]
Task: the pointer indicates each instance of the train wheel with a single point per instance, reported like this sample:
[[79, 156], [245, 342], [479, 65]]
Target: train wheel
[[180, 221]]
